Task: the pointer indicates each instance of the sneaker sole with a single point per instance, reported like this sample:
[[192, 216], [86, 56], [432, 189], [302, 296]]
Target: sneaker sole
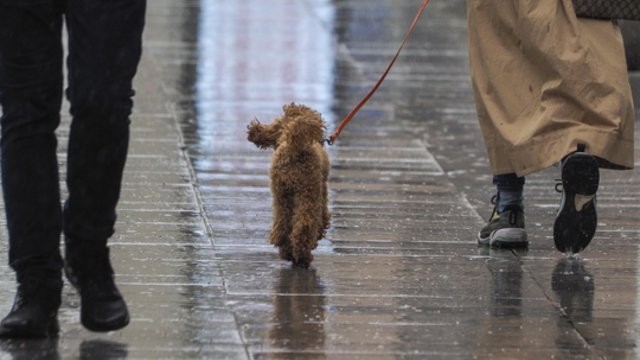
[[506, 238], [576, 221]]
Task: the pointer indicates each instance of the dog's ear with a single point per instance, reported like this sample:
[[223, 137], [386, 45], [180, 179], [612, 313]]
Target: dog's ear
[[306, 129], [315, 127], [264, 136], [291, 110]]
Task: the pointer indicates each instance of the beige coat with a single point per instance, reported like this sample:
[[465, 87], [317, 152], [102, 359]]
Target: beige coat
[[545, 81]]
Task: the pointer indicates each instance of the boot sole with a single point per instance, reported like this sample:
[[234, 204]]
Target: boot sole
[[31, 332], [112, 325], [574, 227]]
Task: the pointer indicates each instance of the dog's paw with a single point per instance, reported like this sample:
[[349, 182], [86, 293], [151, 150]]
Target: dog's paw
[[302, 264], [302, 260]]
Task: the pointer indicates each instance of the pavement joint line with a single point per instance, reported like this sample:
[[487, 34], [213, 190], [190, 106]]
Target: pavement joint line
[[184, 150], [555, 304], [341, 295]]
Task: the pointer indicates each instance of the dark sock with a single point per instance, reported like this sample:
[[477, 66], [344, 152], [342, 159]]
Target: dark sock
[[510, 188], [509, 198]]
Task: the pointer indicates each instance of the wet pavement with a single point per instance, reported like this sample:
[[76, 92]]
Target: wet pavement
[[399, 274]]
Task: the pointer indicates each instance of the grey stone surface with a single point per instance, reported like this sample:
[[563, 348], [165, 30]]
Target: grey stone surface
[[400, 274]]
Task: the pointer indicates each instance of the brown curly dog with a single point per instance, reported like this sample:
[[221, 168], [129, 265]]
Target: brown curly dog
[[299, 173]]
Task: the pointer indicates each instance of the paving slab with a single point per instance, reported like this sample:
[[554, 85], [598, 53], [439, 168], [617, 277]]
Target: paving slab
[[399, 275]]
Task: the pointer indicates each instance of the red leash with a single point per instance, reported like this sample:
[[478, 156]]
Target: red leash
[[364, 100]]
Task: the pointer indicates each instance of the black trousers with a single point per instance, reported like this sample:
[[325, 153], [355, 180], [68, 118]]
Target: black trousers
[[105, 45]]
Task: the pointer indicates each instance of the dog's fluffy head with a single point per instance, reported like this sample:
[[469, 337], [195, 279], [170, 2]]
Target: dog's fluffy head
[[299, 126]]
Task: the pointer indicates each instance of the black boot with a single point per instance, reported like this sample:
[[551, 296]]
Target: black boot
[[102, 306], [35, 310]]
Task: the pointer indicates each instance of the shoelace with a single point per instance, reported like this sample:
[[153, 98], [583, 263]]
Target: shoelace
[[558, 186], [494, 202], [513, 210]]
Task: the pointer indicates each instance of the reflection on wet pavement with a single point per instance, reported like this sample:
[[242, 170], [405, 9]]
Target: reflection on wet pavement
[[298, 308], [573, 287], [399, 275], [30, 349], [102, 349]]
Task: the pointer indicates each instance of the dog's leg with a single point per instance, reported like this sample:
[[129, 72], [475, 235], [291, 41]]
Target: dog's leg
[[326, 215], [307, 217], [281, 228]]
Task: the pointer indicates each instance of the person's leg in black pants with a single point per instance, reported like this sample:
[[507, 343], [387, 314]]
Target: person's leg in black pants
[[105, 48], [30, 96], [105, 45]]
